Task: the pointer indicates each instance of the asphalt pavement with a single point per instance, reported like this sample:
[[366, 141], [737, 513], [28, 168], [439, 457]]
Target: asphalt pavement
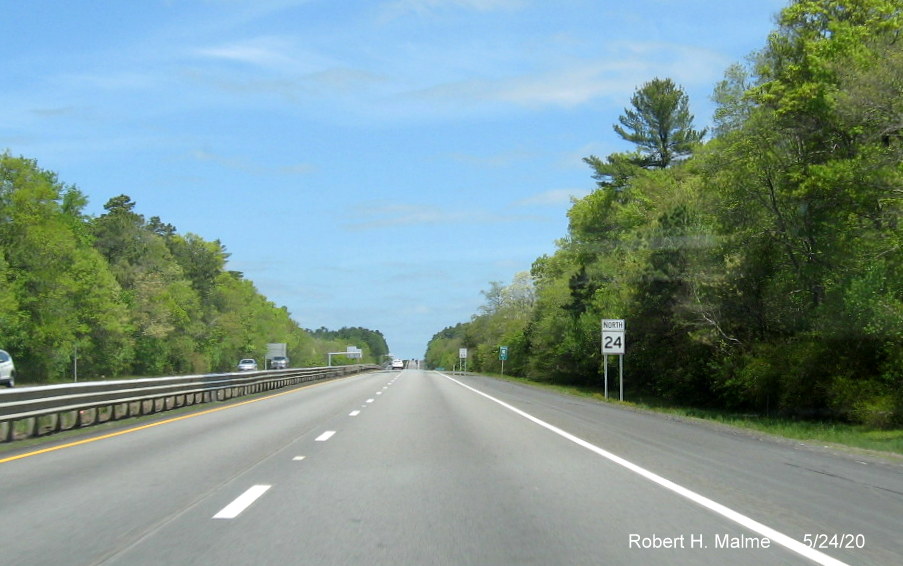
[[415, 467]]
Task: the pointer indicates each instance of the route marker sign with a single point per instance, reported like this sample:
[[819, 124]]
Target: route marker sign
[[503, 353], [613, 343], [462, 359]]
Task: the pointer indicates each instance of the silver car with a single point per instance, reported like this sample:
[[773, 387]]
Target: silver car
[[247, 364], [7, 369]]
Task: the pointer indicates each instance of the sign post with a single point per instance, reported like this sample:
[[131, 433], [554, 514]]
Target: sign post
[[352, 352], [462, 355], [503, 355], [613, 342]]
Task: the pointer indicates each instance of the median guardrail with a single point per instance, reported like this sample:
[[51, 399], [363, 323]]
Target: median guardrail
[[36, 411]]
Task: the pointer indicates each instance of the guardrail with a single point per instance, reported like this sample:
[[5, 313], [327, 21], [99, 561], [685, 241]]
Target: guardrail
[[36, 411]]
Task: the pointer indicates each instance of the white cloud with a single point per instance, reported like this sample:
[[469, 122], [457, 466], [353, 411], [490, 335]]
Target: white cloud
[[246, 53], [376, 216], [277, 53], [572, 82], [251, 167], [400, 8], [502, 159], [555, 197], [391, 215]]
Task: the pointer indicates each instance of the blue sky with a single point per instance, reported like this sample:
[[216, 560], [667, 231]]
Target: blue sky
[[366, 163]]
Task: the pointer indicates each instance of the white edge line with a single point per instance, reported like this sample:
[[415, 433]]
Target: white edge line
[[242, 502], [325, 436], [755, 526]]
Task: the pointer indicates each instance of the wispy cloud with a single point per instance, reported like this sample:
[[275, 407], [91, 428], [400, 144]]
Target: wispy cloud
[[264, 52], [248, 166], [58, 111], [277, 53], [573, 82], [555, 197], [393, 215], [502, 159], [381, 216], [400, 8]]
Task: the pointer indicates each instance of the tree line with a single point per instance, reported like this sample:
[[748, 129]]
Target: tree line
[[127, 295], [759, 265]]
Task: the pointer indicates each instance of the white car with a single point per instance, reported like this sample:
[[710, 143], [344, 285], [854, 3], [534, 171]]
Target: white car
[[247, 364], [7, 369], [397, 364]]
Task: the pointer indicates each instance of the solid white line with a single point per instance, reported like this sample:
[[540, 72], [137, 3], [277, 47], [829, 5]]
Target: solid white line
[[325, 436], [241, 503], [755, 526], [354, 413]]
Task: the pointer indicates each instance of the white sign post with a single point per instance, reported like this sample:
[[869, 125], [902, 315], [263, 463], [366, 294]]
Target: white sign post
[[462, 355], [614, 342], [352, 352]]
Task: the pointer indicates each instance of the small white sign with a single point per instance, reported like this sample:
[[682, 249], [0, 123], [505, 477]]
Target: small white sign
[[613, 336], [462, 353]]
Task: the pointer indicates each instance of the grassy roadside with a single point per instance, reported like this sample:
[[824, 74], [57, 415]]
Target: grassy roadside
[[821, 432]]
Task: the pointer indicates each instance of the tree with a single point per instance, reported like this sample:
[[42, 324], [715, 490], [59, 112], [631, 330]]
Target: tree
[[63, 294], [765, 273], [660, 124], [733, 100]]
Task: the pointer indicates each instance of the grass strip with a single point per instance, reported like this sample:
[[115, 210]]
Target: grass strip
[[821, 432]]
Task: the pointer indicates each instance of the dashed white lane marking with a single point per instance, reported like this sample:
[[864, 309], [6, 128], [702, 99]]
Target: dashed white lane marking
[[297, 458], [776, 536], [242, 502], [354, 413], [379, 392], [371, 400], [325, 436]]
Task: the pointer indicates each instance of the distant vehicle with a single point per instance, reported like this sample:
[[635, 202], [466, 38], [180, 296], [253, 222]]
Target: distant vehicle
[[397, 364], [279, 362], [247, 364], [7, 369]]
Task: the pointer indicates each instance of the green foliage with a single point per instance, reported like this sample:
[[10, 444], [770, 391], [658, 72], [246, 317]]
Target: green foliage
[[660, 124], [502, 321], [442, 350], [763, 273], [371, 342], [125, 295]]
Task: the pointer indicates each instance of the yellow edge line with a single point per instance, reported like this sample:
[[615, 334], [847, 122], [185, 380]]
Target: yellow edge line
[[143, 427]]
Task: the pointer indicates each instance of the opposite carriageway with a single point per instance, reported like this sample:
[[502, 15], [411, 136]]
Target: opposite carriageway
[[35, 411]]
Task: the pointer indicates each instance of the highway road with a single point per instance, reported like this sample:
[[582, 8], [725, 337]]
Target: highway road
[[420, 468]]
